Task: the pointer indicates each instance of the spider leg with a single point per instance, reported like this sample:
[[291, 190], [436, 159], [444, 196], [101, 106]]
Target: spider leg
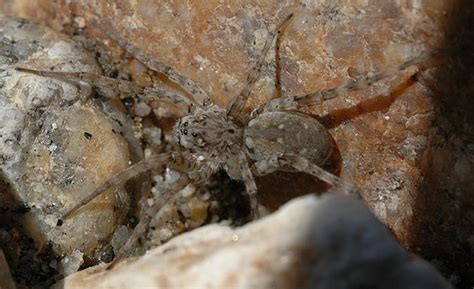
[[165, 194], [237, 104], [192, 172], [121, 178], [303, 165], [251, 189], [152, 94], [278, 62], [292, 102], [187, 84], [125, 88]]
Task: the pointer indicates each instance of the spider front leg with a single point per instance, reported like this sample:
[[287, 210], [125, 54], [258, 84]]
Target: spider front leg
[[122, 88], [156, 94], [198, 93], [166, 194], [126, 88], [121, 178], [302, 164]]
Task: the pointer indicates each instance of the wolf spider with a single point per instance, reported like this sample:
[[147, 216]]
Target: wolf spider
[[272, 137]]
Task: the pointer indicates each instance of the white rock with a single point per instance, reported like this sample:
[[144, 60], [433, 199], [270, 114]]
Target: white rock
[[55, 149], [328, 242], [70, 264]]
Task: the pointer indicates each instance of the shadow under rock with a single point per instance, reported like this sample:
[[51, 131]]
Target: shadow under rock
[[443, 221], [29, 265]]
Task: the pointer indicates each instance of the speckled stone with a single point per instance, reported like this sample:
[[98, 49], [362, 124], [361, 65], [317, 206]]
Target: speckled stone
[[407, 143], [381, 133], [54, 148]]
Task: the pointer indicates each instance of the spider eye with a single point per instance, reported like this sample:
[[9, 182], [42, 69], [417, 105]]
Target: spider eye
[[185, 124], [194, 134], [185, 132]]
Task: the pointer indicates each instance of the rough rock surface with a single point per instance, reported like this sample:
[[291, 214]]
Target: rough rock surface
[[408, 144], [55, 148], [327, 242]]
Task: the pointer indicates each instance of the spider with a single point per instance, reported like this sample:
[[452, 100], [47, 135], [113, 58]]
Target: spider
[[274, 136]]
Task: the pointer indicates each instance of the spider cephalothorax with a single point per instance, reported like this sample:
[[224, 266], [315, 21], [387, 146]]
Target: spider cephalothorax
[[214, 139], [208, 129]]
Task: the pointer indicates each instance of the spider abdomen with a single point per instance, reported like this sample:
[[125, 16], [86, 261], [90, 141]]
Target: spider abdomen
[[280, 133]]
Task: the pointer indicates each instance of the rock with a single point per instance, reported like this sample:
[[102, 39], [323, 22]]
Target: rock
[[325, 45], [407, 143], [327, 242], [56, 146], [398, 140], [71, 263]]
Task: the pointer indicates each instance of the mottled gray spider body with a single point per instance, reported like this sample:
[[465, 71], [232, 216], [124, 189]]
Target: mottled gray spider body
[[210, 138], [279, 133], [268, 142]]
